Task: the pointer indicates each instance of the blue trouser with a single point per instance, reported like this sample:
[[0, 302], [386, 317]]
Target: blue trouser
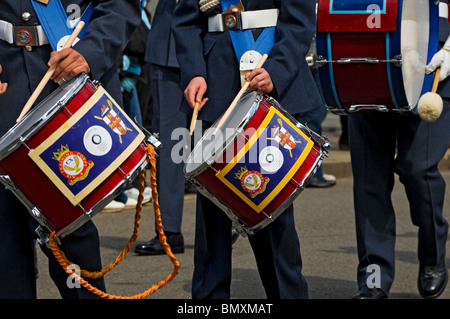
[[314, 118], [167, 117], [17, 264], [382, 144]]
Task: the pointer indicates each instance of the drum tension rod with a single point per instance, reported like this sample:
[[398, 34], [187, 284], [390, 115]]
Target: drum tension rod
[[67, 110], [396, 60]]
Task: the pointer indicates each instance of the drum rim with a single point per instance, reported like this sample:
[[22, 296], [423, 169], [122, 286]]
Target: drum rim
[[78, 81], [249, 115]]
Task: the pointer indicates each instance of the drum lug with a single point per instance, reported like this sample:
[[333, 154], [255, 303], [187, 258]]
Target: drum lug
[[320, 61], [154, 140], [397, 60], [336, 110], [150, 138], [43, 238], [96, 83]]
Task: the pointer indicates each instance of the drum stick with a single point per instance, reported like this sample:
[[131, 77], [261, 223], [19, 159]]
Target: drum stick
[[194, 117], [48, 74], [437, 75], [238, 97]]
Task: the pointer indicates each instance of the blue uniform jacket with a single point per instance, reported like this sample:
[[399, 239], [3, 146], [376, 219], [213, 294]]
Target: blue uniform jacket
[[106, 36], [161, 44], [211, 55], [444, 32]]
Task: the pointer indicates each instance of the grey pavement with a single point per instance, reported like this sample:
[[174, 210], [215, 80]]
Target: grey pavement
[[325, 224]]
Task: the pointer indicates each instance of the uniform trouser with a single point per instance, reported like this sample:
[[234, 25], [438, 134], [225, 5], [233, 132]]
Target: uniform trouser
[[167, 119], [17, 262], [382, 144], [276, 249]]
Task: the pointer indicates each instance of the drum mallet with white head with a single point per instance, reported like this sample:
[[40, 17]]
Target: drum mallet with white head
[[430, 104]]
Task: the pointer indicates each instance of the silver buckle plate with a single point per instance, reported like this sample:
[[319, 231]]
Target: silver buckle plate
[[25, 36], [232, 20]]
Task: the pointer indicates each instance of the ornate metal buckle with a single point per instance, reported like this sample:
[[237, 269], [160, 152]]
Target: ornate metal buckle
[[25, 36], [232, 20]]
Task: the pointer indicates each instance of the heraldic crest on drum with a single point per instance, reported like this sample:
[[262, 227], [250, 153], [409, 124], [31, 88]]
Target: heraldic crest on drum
[[252, 181], [277, 149], [113, 120], [68, 155], [72, 165]]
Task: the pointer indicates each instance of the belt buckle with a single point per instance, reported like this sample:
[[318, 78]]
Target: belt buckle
[[232, 20], [25, 36]]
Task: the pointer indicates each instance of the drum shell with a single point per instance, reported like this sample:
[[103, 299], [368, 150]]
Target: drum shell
[[251, 220], [357, 82], [377, 78], [37, 188]]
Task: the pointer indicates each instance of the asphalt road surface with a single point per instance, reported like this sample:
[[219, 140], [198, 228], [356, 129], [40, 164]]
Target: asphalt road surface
[[325, 224]]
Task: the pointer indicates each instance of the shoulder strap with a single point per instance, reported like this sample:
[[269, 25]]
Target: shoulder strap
[[244, 41], [55, 22]]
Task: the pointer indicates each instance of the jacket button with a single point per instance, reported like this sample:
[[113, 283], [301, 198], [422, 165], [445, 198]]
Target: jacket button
[[26, 16]]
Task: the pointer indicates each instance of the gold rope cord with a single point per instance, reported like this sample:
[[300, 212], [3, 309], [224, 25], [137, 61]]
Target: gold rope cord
[[60, 256]]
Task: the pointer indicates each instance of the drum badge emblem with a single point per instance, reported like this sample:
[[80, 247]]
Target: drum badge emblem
[[283, 137], [113, 120], [72, 165], [252, 182]]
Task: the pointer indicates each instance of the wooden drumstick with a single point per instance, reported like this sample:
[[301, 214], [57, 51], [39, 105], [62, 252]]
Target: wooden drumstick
[[194, 117], [48, 74], [238, 97]]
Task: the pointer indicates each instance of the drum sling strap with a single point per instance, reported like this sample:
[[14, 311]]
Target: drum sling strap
[[243, 40], [55, 22], [65, 263]]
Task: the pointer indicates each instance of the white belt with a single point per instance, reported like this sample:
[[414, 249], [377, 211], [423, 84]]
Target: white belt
[[245, 20], [9, 33], [443, 10]]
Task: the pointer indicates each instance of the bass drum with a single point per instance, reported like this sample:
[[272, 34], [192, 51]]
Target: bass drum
[[372, 54]]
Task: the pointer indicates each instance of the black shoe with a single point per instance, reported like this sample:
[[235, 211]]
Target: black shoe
[[320, 182], [154, 246], [432, 282], [370, 293], [234, 235]]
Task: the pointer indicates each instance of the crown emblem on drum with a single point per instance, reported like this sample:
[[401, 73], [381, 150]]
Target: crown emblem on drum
[[241, 172], [252, 182], [60, 152]]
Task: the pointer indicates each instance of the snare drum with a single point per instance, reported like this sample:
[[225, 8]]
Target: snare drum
[[71, 155], [373, 53], [257, 163]]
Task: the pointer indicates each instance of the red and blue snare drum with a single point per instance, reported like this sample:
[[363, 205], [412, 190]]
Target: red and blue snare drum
[[71, 155], [373, 53], [257, 163]]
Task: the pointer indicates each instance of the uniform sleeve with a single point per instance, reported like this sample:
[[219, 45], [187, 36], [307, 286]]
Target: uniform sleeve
[[188, 27], [444, 27], [111, 26], [295, 30]]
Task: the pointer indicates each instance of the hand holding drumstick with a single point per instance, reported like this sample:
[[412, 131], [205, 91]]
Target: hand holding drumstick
[[258, 79], [54, 66], [194, 95]]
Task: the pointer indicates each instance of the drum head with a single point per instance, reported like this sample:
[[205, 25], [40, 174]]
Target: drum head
[[415, 30], [40, 114], [210, 147]]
